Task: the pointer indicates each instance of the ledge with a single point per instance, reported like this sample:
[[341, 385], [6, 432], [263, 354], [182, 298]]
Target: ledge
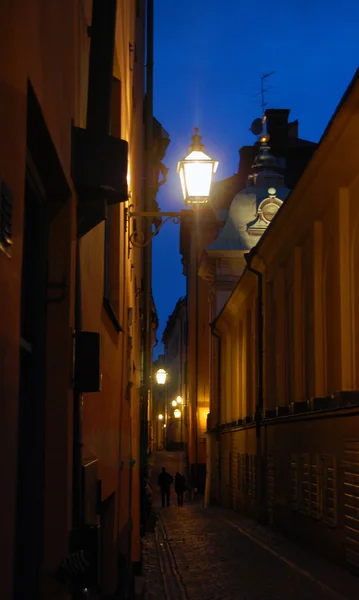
[[296, 408], [336, 405]]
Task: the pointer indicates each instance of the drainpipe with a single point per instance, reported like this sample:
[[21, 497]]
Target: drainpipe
[[218, 438], [196, 363], [147, 258], [77, 488], [259, 407]]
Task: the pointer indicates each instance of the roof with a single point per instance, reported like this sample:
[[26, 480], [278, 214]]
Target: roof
[[264, 237], [242, 212], [171, 321]]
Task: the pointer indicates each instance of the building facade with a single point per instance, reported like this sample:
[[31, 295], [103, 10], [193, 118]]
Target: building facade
[[158, 412], [214, 239], [73, 156], [175, 342], [282, 434]]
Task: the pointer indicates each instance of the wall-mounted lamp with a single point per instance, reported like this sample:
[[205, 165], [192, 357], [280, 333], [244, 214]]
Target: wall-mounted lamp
[[196, 172]]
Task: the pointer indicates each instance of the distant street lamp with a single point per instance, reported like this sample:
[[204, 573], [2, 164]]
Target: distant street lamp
[[196, 171], [174, 402], [164, 426], [179, 400], [177, 414], [160, 417], [161, 376]]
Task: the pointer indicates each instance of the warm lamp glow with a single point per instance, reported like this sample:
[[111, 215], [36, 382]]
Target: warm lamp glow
[[161, 376], [160, 417], [164, 425], [196, 171], [179, 400], [174, 402], [177, 413]]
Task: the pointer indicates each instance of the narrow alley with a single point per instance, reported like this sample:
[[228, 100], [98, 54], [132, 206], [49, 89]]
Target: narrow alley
[[216, 554]]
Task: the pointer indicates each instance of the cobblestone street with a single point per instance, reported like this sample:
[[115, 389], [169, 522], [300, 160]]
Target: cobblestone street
[[201, 553]]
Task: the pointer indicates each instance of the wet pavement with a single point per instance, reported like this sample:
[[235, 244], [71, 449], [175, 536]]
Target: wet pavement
[[198, 553]]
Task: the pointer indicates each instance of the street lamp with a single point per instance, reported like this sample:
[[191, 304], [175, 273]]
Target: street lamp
[[196, 171], [161, 376], [179, 400], [174, 402], [160, 417], [177, 414]]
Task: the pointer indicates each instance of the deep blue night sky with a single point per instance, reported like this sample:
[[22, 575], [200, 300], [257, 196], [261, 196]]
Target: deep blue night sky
[[209, 57]]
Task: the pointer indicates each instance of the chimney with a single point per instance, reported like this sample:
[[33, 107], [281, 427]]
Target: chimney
[[277, 127]]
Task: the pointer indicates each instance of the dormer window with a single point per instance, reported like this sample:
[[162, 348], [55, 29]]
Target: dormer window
[[270, 206]]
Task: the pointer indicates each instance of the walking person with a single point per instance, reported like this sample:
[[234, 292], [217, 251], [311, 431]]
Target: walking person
[[180, 487], [164, 481]]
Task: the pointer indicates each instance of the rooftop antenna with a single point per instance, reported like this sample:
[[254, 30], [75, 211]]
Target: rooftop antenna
[[263, 77], [258, 126]]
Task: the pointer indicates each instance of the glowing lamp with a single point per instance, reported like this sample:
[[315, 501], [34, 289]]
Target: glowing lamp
[[174, 402], [160, 417], [179, 400], [161, 376], [177, 413], [196, 171]]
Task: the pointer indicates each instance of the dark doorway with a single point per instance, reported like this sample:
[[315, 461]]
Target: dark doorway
[[30, 492]]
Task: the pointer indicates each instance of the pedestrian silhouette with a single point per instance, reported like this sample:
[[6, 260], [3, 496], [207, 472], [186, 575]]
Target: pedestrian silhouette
[[164, 481], [180, 487]]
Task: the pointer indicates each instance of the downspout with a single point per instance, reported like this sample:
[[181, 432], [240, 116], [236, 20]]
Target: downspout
[[218, 437], [147, 258], [196, 407], [77, 491], [181, 369], [259, 406]]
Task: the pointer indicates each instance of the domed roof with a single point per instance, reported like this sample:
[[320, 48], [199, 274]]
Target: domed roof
[[243, 212], [246, 220]]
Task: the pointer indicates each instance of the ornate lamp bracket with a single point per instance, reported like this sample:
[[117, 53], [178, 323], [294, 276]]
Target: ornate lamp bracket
[[137, 239]]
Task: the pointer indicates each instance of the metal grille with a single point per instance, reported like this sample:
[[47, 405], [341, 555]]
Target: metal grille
[[303, 483], [329, 489], [234, 478], [270, 487], [315, 488], [351, 502], [294, 481]]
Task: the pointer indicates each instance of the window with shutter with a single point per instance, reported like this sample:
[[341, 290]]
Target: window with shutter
[[294, 481], [304, 484], [270, 487], [315, 488], [329, 489]]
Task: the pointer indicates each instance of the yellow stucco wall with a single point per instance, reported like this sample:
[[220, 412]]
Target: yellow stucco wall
[[299, 468]]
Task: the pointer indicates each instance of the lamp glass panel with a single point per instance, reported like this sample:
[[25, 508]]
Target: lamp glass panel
[[183, 183], [161, 376], [198, 178]]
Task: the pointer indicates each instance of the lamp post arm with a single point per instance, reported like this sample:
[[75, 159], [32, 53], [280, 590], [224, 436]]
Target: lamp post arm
[[137, 238], [158, 214]]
